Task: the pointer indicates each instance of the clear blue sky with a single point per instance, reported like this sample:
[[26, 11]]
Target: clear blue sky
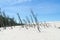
[[45, 10]]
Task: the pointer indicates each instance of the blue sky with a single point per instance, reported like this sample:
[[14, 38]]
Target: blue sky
[[45, 10]]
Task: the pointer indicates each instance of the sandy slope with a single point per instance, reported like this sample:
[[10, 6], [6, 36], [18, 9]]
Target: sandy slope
[[31, 34]]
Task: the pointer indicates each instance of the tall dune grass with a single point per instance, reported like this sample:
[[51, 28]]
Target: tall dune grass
[[25, 23], [36, 20]]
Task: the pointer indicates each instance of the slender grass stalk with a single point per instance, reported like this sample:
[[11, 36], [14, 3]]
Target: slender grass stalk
[[5, 18], [33, 25], [9, 21], [28, 20], [46, 25], [20, 21], [36, 20], [1, 20], [25, 22]]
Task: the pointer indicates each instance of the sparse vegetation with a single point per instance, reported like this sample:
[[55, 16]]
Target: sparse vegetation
[[33, 22], [6, 21], [36, 20]]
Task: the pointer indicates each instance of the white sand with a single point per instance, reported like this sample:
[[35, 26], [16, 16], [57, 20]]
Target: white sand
[[18, 33]]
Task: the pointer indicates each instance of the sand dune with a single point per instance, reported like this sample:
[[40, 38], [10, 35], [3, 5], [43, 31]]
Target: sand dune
[[19, 33]]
